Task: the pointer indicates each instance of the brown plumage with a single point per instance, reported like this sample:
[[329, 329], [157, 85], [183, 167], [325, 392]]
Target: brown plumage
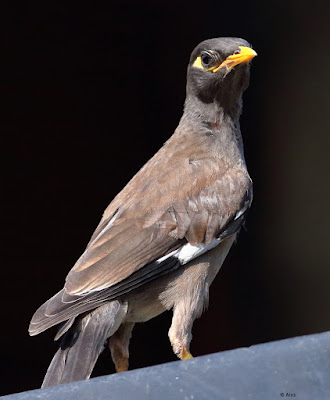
[[164, 237]]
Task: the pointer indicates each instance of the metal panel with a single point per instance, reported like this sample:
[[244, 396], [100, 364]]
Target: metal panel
[[291, 368]]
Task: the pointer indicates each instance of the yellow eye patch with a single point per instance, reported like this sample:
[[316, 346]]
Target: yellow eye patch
[[198, 63], [213, 57]]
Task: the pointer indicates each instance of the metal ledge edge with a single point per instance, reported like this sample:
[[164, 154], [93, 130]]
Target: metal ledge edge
[[292, 368]]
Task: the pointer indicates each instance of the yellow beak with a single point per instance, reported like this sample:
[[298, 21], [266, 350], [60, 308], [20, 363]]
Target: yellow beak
[[246, 54]]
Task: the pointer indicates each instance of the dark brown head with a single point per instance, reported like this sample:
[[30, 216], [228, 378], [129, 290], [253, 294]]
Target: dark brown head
[[218, 71]]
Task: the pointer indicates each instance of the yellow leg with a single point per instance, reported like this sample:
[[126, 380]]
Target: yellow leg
[[118, 344], [122, 365], [185, 354]]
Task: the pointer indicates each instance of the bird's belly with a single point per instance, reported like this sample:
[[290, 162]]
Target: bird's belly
[[160, 295], [143, 308]]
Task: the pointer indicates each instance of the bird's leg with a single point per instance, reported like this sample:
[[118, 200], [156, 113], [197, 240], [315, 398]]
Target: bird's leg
[[118, 344], [180, 331], [189, 296]]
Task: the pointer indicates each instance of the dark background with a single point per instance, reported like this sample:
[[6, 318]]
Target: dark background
[[90, 92]]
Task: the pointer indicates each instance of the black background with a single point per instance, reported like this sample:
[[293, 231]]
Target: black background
[[90, 92]]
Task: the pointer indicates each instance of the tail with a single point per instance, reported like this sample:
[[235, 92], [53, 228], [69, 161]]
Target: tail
[[82, 344]]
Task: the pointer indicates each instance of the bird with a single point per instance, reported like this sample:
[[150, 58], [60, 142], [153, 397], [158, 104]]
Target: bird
[[163, 239]]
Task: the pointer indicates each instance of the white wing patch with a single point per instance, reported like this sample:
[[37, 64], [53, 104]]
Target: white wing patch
[[240, 213], [188, 252], [172, 253], [247, 203]]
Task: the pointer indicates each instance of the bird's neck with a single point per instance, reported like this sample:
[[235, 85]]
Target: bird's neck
[[219, 127], [221, 109]]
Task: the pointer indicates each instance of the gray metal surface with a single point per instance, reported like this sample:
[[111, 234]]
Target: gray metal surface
[[292, 368]]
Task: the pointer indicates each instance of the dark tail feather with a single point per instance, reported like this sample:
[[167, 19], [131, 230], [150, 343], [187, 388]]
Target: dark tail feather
[[83, 343]]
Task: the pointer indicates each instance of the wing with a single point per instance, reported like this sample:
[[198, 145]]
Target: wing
[[157, 223], [157, 212]]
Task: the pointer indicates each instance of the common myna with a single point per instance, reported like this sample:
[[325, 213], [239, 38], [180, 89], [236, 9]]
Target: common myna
[[164, 237]]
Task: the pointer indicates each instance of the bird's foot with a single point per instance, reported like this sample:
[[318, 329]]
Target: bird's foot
[[180, 349], [185, 354], [122, 365]]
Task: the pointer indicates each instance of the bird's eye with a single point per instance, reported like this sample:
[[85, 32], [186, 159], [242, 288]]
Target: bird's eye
[[206, 59]]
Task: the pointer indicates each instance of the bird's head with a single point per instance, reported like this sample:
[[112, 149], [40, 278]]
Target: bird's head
[[218, 71]]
